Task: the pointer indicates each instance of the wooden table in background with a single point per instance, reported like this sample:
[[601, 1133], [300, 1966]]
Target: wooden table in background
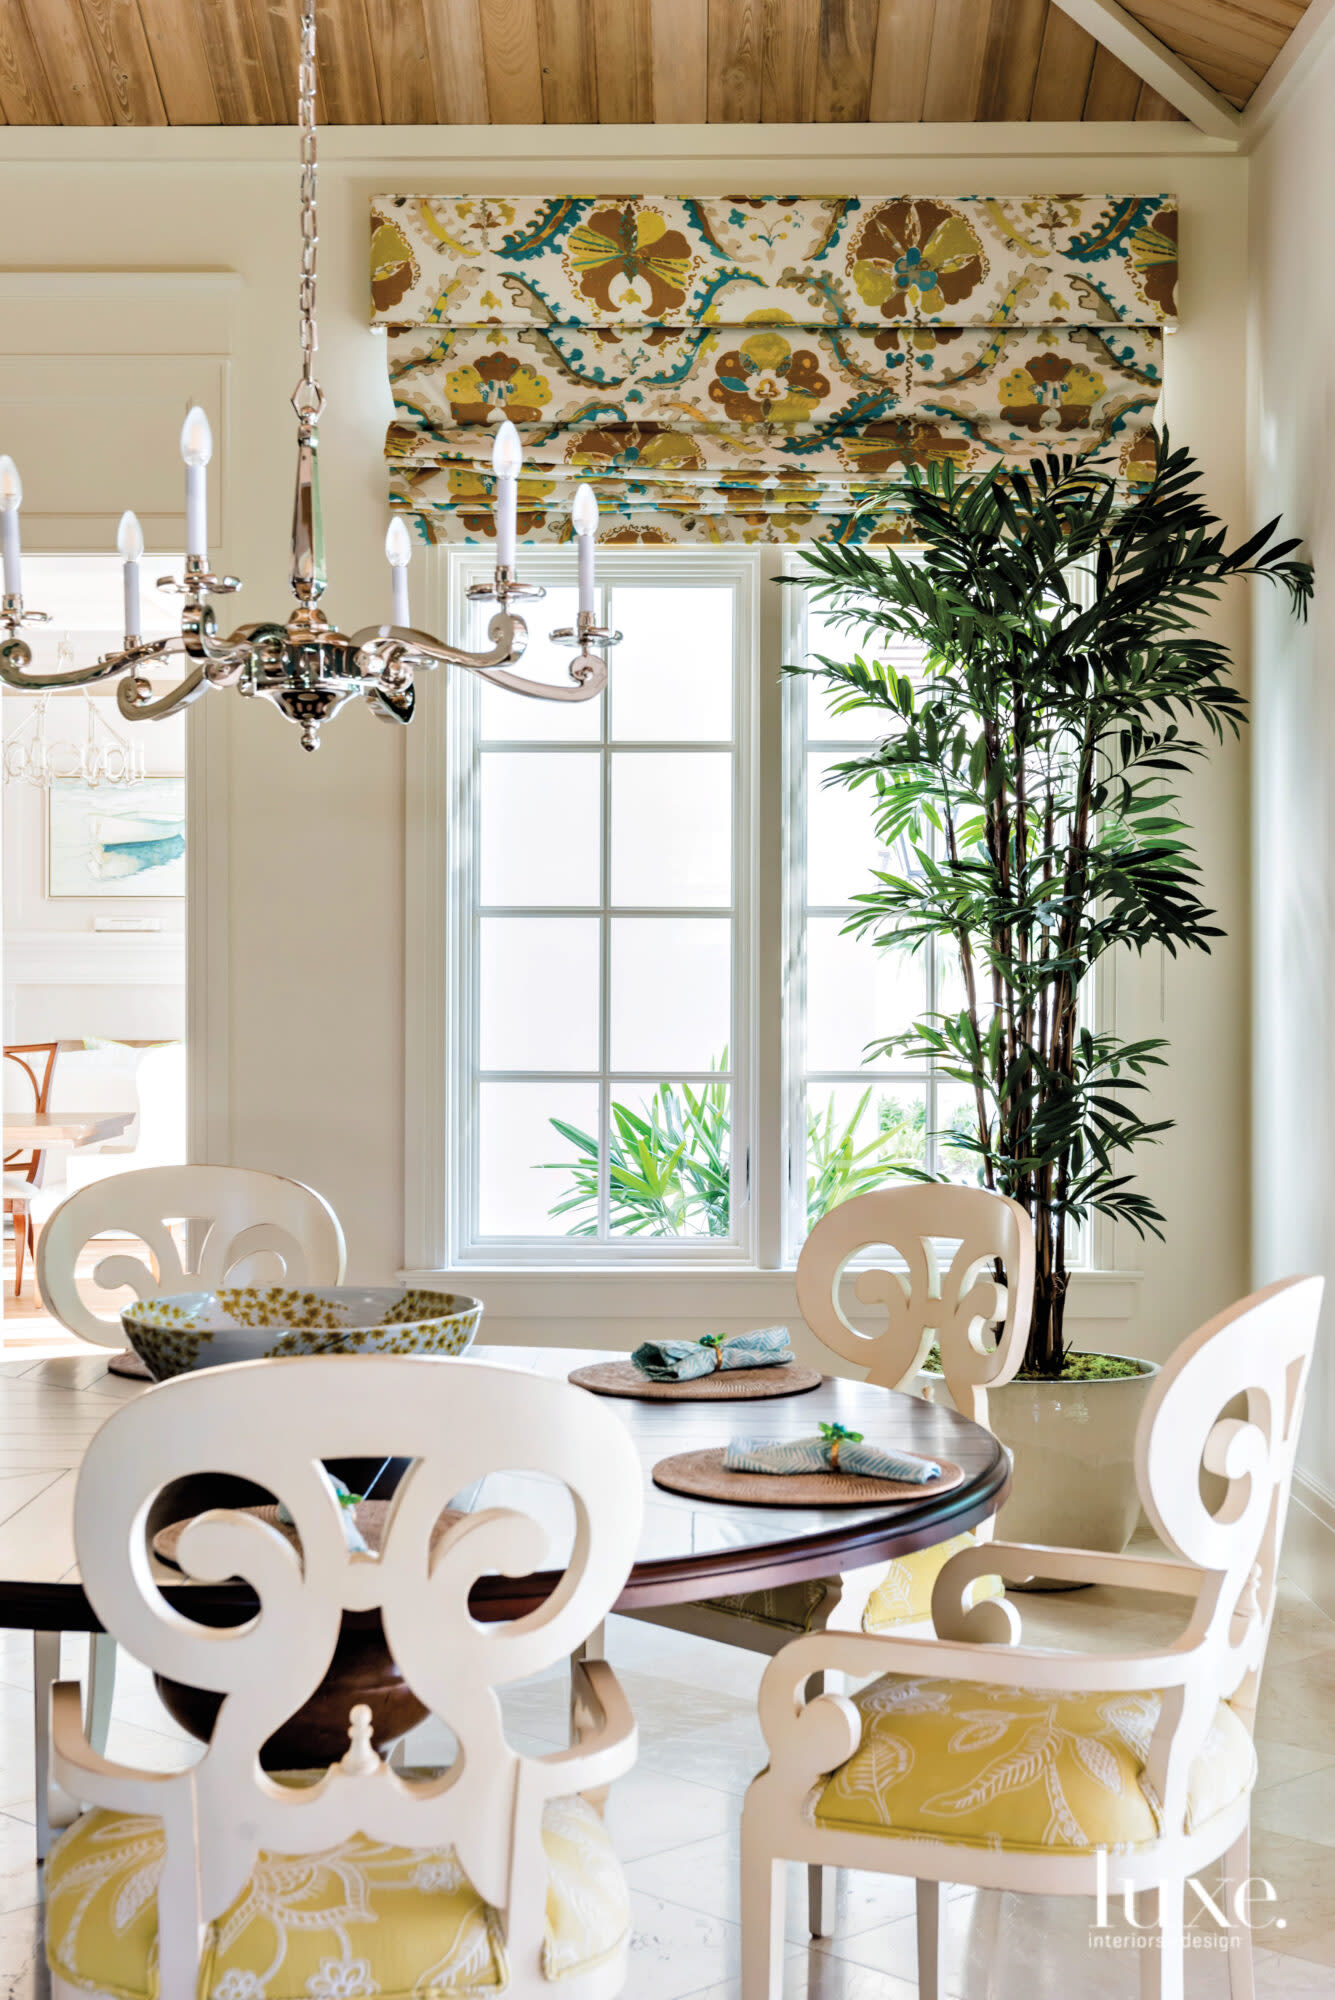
[[28, 1131]]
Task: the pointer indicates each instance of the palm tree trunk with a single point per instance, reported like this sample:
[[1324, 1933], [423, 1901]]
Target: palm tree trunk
[[1046, 1348]]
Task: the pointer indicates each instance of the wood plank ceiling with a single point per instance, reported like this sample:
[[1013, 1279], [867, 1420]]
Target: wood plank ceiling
[[571, 62]]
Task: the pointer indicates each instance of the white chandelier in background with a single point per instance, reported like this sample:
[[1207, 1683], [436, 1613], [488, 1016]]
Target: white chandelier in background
[[306, 667], [103, 757]]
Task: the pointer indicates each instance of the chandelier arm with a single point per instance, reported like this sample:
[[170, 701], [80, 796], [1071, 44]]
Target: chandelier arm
[[224, 658], [15, 655], [393, 649], [134, 697], [588, 671]]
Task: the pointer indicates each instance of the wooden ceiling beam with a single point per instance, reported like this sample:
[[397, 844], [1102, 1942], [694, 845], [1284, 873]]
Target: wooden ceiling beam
[[1163, 71]]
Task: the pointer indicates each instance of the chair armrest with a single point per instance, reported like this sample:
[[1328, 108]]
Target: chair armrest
[[820, 1734], [93, 1779], [1019, 1562], [606, 1729]]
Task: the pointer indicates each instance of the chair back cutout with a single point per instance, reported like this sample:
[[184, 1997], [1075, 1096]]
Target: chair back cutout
[[1257, 1353], [954, 1307], [273, 1422], [234, 1214]]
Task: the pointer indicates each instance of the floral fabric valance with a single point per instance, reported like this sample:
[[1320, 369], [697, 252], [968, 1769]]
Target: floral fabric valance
[[752, 370]]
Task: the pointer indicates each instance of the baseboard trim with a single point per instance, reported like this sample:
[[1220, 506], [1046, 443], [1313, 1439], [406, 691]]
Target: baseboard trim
[[1309, 1542]]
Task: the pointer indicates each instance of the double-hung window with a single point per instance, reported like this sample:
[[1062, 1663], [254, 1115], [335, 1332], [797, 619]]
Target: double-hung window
[[858, 1115], [649, 1021], [600, 963]]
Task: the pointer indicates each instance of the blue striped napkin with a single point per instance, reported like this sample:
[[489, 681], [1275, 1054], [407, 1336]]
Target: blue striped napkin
[[835, 1450], [683, 1360]]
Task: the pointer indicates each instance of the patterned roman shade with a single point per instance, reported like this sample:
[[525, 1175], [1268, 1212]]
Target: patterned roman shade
[[752, 370]]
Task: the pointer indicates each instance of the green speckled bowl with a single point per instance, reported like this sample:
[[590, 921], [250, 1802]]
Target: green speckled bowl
[[192, 1330]]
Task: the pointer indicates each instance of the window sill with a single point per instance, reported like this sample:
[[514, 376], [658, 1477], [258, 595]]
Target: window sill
[[594, 1308]]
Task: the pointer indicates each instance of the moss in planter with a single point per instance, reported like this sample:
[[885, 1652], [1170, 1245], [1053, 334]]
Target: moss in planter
[[1076, 1368]]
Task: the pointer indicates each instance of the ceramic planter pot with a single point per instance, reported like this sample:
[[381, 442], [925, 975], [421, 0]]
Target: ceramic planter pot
[[1074, 1447]]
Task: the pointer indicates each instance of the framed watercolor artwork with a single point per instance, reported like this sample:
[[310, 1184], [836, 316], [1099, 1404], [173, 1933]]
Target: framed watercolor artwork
[[106, 841]]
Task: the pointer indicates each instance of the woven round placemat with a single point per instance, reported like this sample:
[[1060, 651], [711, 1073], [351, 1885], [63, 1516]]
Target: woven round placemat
[[371, 1516], [702, 1475], [725, 1385]]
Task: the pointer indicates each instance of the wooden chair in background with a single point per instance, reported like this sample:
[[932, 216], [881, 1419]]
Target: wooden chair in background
[[33, 1065], [498, 1871]]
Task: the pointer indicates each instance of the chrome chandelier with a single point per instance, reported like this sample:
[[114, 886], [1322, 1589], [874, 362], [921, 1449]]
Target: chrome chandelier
[[307, 668]]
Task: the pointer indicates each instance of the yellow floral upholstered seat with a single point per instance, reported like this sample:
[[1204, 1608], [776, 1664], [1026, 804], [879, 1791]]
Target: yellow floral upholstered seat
[[360, 1918], [904, 1594], [1004, 1767]]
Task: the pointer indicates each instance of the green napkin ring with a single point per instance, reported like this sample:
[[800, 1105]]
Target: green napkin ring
[[835, 1435]]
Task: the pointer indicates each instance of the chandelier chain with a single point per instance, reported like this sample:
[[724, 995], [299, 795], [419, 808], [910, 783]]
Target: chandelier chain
[[308, 399]]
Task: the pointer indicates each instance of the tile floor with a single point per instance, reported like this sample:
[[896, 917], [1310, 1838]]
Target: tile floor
[[674, 1820]]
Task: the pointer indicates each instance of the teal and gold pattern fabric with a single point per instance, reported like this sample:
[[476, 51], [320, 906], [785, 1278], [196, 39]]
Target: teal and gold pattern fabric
[[357, 1919], [735, 369], [1029, 1771]]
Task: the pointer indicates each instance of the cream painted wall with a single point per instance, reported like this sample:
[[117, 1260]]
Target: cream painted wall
[[299, 939], [1292, 306]]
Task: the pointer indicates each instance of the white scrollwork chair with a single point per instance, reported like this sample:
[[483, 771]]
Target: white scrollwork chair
[[233, 1217], [979, 1325], [494, 1872], [975, 1759]]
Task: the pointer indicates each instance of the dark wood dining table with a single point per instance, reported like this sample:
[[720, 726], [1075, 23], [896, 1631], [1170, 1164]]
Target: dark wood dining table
[[690, 1549]]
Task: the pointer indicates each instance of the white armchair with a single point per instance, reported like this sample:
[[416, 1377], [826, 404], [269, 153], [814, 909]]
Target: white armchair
[[494, 1872], [235, 1214], [974, 1759]]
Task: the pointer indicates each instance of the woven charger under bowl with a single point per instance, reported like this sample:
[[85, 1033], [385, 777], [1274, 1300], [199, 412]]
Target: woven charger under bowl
[[703, 1476], [725, 1385], [177, 1334], [370, 1516]]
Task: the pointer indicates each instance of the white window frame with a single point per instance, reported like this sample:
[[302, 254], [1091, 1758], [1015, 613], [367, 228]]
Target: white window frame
[[798, 744], [628, 1283], [452, 1232]]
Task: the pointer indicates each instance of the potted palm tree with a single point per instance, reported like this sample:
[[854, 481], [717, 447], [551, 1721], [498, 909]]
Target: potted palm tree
[[1025, 786]]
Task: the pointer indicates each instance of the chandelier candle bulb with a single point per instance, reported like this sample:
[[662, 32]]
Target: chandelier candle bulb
[[196, 450], [584, 520], [130, 542], [11, 494], [305, 666], [399, 552], [506, 458]]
